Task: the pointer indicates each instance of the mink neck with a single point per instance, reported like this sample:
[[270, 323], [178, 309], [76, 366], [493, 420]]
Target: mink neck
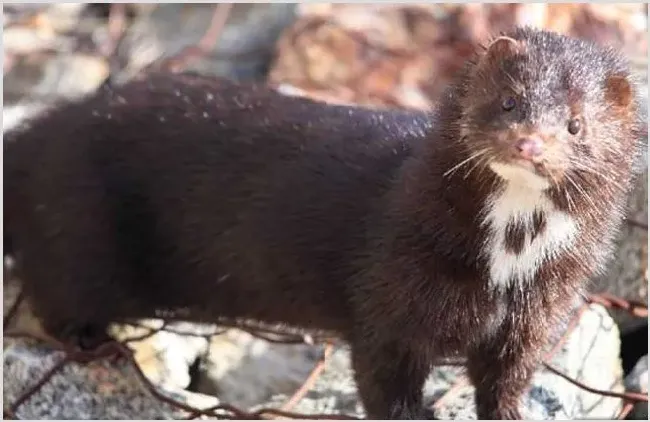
[[429, 180], [441, 213]]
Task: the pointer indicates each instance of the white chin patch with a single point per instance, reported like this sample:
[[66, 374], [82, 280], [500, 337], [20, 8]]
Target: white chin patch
[[519, 175]]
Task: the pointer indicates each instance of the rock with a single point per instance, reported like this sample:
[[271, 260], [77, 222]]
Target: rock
[[72, 76], [50, 18], [627, 272], [334, 391], [49, 79], [15, 115], [98, 390], [244, 371], [405, 55], [374, 56], [13, 13], [637, 380], [166, 357], [24, 73], [50, 50], [23, 320], [243, 50], [235, 366], [590, 354], [25, 40], [62, 17]]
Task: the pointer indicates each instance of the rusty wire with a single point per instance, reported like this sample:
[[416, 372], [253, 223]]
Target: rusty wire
[[635, 223], [116, 349], [181, 60]]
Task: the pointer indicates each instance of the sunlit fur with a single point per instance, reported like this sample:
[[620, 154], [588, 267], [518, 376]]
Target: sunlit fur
[[550, 91]]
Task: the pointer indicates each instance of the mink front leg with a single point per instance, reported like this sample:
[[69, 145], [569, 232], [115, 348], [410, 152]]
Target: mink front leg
[[390, 379], [502, 364]]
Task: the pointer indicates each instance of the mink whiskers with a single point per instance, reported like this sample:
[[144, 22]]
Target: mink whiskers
[[480, 153]]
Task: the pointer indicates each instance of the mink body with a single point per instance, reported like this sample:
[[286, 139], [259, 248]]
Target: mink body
[[412, 235]]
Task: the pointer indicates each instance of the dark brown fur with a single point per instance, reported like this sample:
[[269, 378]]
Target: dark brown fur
[[515, 237], [212, 199]]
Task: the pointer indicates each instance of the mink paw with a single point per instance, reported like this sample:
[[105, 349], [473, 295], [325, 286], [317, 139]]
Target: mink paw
[[428, 414], [406, 413], [503, 414], [85, 337]]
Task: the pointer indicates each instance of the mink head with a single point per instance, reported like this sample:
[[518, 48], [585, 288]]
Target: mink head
[[547, 111]]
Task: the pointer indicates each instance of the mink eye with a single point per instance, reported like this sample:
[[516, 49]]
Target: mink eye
[[574, 126], [508, 104]]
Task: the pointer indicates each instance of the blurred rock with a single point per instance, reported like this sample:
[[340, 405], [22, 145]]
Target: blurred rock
[[72, 76], [60, 17], [58, 51], [23, 74], [99, 390], [627, 272], [26, 40], [166, 357], [374, 56], [244, 371], [243, 50], [13, 13], [50, 53], [23, 320], [15, 115], [637, 380], [591, 355], [404, 55]]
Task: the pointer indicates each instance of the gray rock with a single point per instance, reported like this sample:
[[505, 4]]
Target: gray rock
[[50, 78], [591, 354], [637, 380], [166, 356], [72, 76], [15, 115], [99, 390], [23, 75], [26, 40], [243, 49], [627, 273], [243, 370]]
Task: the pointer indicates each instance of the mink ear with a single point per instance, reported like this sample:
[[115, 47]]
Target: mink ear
[[503, 46], [618, 91]]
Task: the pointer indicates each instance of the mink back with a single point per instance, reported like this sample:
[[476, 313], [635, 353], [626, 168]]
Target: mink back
[[198, 194]]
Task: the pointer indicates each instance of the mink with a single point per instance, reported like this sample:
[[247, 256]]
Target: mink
[[465, 230]]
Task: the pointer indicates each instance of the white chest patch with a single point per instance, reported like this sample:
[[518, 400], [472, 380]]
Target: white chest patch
[[519, 204]]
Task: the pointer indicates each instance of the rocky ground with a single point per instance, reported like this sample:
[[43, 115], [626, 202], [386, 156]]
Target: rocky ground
[[378, 56]]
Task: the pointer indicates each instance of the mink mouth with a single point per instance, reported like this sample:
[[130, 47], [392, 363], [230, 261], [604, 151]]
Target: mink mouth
[[536, 168], [522, 172]]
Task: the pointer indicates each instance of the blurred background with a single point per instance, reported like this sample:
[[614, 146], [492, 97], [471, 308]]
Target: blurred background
[[378, 55], [375, 54]]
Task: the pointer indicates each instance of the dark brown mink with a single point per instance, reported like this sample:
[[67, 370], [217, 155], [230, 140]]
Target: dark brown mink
[[467, 230]]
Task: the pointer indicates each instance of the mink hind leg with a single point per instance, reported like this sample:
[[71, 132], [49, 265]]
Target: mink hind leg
[[74, 309], [73, 281], [390, 380]]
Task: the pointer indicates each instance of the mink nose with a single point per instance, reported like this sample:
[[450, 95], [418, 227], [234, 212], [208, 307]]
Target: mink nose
[[529, 147]]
